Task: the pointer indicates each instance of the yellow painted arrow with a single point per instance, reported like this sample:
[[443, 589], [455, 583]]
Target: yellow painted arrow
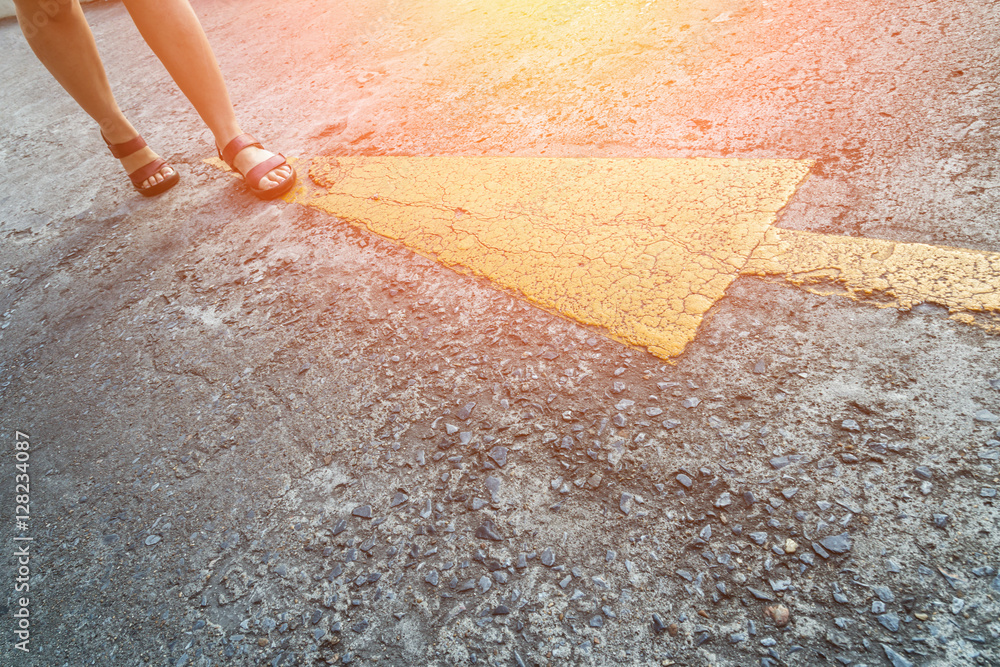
[[641, 248]]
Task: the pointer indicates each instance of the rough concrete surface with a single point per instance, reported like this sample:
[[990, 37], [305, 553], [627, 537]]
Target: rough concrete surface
[[259, 434]]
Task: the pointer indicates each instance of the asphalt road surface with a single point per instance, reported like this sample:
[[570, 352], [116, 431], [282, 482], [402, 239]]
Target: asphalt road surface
[[641, 333]]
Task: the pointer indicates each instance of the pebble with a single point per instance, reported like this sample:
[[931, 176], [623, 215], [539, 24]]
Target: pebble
[[653, 412], [778, 614], [623, 405], [691, 402], [988, 492], [896, 659], [684, 481], [889, 621], [625, 503], [725, 500], [432, 578], [850, 425], [466, 411], [398, 499], [548, 557], [597, 622], [488, 531], [926, 488], [152, 539], [985, 416], [923, 472], [363, 511], [838, 544], [884, 594], [760, 595], [499, 454], [941, 520], [658, 626], [759, 537], [780, 462]]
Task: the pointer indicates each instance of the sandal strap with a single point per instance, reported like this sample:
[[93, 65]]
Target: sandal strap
[[125, 149], [233, 148], [142, 173], [254, 175]]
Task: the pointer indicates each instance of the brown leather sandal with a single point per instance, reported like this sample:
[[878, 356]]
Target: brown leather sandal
[[252, 177], [142, 173]]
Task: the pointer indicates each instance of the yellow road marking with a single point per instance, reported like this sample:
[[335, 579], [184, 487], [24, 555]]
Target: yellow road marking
[[641, 248], [885, 273]]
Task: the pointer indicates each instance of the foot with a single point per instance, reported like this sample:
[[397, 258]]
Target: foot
[[140, 159], [251, 156]]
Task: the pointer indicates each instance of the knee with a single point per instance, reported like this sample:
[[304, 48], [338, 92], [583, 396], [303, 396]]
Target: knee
[[39, 12]]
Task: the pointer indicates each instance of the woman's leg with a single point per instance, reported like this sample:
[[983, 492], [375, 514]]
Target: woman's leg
[[173, 31], [58, 33]]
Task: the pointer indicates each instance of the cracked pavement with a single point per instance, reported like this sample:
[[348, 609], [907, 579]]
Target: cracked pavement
[[266, 434]]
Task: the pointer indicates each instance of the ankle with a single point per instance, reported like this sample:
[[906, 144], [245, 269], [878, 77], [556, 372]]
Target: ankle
[[117, 130]]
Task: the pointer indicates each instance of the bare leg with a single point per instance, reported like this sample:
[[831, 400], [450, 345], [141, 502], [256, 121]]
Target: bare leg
[[58, 33], [175, 35]]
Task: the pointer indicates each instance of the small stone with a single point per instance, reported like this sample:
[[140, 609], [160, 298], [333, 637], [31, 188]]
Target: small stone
[[850, 425], [691, 402], [398, 499], [499, 454], [432, 578], [889, 621], [488, 531], [596, 622], [923, 472], [684, 481], [926, 488], [760, 595], [778, 613], [625, 503], [884, 594], [501, 610], [725, 500], [624, 404], [985, 416], [485, 583], [780, 462], [653, 411], [988, 492], [838, 544], [749, 498], [548, 557], [363, 511], [790, 546], [658, 626], [466, 411], [878, 607], [941, 520], [759, 537], [152, 539]]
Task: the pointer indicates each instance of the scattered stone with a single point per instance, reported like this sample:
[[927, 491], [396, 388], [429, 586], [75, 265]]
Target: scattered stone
[[653, 411], [684, 481], [432, 578], [152, 539], [923, 472], [625, 503], [488, 531], [985, 416], [884, 594], [941, 520], [466, 411], [499, 454], [725, 500], [850, 425], [363, 511], [658, 626], [548, 557], [790, 546], [759, 537], [788, 493], [691, 402], [838, 544], [597, 621], [926, 488], [760, 595], [896, 659], [780, 462], [501, 610], [778, 613], [398, 499]]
